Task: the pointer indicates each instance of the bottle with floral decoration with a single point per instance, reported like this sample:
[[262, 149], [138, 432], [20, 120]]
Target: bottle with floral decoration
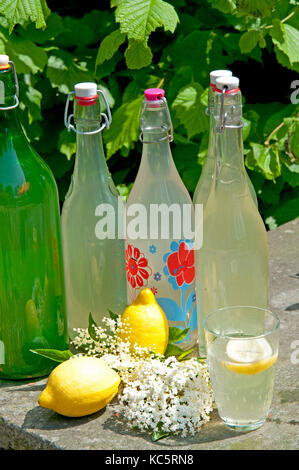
[[160, 224]]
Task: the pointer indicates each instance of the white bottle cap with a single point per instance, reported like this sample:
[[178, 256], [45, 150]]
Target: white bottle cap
[[219, 73], [229, 82], [86, 89], [4, 59]]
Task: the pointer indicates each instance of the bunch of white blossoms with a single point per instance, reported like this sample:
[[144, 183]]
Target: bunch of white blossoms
[[158, 393], [173, 396]]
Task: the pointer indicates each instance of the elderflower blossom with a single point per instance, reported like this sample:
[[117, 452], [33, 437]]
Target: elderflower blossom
[[173, 395], [156, 392]]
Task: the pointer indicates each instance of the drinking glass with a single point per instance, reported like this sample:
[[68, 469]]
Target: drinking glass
[[242, 350]]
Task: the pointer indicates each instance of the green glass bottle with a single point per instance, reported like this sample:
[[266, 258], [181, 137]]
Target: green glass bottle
[[32, 297]]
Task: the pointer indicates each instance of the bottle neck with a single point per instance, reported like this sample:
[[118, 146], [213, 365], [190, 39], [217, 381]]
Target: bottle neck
[[155, 125], [90, 158], [229, 150], [13, 151], [229, 142], [157, 156], [9, 124], [211, 144]]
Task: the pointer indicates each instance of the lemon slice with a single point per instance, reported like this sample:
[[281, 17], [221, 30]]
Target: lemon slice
[[249, 356]]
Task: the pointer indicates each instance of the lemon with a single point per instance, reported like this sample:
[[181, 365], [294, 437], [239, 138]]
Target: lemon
[[79, 387], [31, 315], [145, 323], [249, 356]]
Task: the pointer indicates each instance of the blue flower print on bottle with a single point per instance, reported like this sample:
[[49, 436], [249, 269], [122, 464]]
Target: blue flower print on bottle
[[152, 249], [179, 267]]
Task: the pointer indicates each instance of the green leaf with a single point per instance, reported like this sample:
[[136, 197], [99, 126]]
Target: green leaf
[[91, 328], [246, 128], [27, 56], [108, 96], [54, 28], [124, 130], [124, 190], [58, 163], [283, 59], [265, 160], [189, 109], [109, 46], [69, 36], [30, 100], [290, 173], [294, 140], [287, 210], [276, 117], [177, 334], [225, 6], [159, 433], [67, 143], [287, 41], [255, 7], [54, 354], [138, 55], [249, 40], [18, 11], [131, 92], [107, 68], [64, 72], [113, 315], [277, 31], [173, 350], [183, 356], [139, 18]]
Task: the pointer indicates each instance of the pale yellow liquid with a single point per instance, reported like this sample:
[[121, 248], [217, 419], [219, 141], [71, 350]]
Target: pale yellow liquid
[[242, 398], [232, 265]]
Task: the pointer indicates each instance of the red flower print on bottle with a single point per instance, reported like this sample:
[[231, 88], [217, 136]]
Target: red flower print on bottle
[[137, 267], [180, 264]]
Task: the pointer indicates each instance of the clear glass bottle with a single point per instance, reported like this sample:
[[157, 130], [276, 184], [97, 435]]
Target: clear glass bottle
[[32, 293], [204, 184], [159, 248], [232, 264], [94, 262]]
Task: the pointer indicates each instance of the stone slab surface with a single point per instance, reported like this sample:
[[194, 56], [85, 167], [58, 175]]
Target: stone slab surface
[[25, 425]]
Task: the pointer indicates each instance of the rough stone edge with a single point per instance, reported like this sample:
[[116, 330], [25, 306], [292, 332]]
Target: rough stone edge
[[13, 437]]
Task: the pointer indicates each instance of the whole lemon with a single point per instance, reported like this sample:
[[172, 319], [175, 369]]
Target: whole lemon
[[79, 387], [145, 323]]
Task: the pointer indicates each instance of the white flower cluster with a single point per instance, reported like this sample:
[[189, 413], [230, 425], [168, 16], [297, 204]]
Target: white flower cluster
[[157, 393], [175, 396]]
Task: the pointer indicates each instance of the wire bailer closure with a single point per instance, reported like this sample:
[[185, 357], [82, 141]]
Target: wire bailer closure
[[168, 135], [223, 116], [164, 128], [68, 118]]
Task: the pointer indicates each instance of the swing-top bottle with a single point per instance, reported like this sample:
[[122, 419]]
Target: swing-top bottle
[[94, 252], [160, 218], [232, 264]]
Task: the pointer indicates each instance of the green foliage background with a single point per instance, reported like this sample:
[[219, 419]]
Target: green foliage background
[[130, 45]]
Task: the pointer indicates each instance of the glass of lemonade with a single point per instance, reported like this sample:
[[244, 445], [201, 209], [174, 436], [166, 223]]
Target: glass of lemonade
[[242, 349]]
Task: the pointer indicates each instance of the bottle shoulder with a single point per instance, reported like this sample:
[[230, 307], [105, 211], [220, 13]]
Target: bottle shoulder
[[233, 221], [82, 196], [24, 175], [167, 187]]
